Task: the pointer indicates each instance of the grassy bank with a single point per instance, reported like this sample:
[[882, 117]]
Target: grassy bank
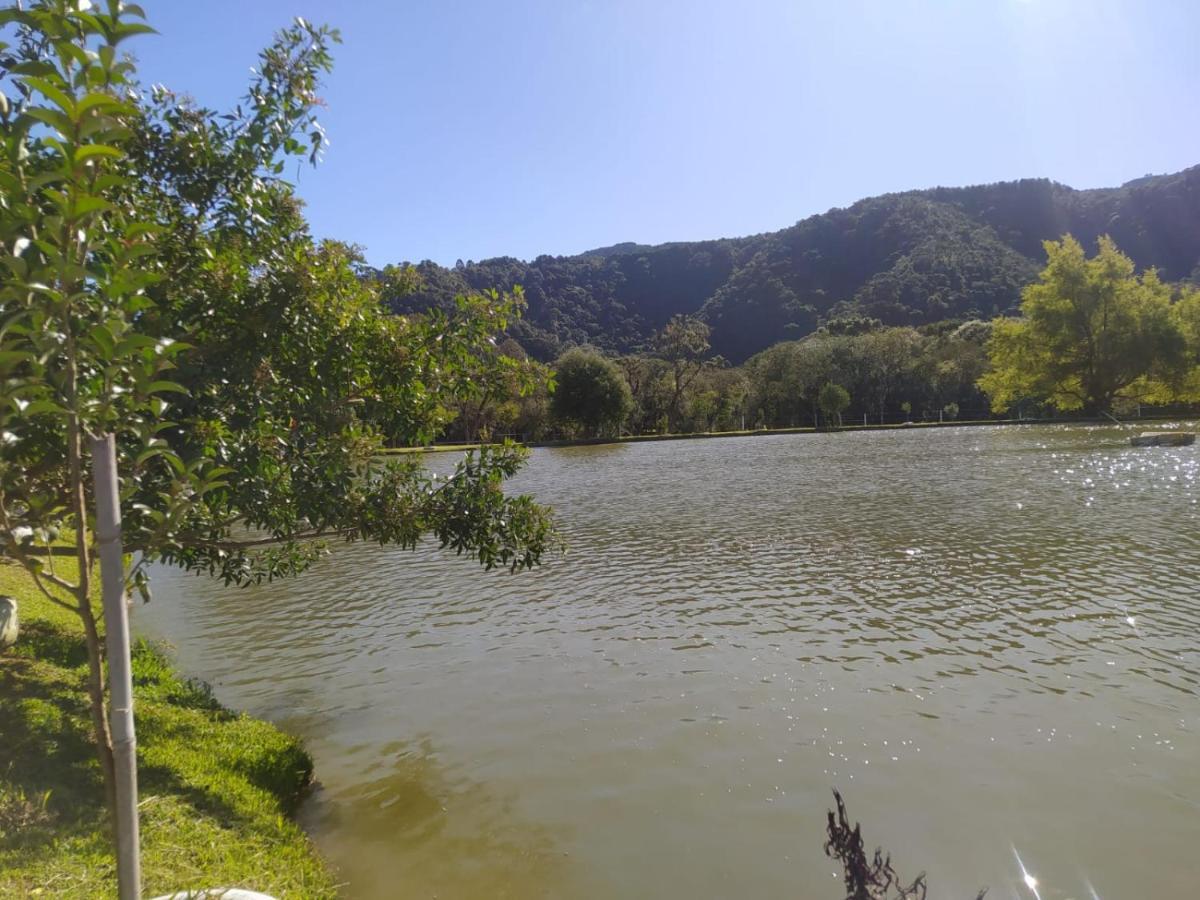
[[216, 790]]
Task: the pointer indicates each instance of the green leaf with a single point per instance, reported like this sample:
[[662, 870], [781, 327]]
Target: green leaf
[[52, 117], [34, 67], [88, 204], [17, 266], [162, 387], [174, 461], [131, 29], [13, 357], [92, 150], [132, 343], [150, 454], [44, 407], [57, 96], [104, 339], [139, 229], [97, 100]]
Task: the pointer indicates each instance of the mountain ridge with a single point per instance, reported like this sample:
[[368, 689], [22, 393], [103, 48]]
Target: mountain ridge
[[623, 248], [907, 258]]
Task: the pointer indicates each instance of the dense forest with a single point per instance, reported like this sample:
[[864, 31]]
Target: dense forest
[[908, 260], [1093, 335], [883, 375]]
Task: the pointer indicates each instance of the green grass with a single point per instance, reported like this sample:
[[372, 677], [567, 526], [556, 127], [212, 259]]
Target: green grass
[[216, 788]]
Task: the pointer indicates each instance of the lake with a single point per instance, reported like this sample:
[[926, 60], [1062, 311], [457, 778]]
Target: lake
[[987, 638]]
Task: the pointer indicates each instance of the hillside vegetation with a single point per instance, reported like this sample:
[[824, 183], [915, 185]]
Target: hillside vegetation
[[910, 258]]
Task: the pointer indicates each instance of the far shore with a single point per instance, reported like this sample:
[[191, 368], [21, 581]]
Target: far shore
[[1134, 424]]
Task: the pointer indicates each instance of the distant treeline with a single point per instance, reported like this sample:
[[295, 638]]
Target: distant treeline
[[909, 259], [888, 374], [1093, 336]]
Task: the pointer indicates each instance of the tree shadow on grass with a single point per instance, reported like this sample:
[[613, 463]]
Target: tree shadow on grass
[[206, 755], [51, 644], [158, 779], [48, 751]]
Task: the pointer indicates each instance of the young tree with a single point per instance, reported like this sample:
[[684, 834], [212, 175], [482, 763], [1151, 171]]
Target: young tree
[[833, 400], [162, 297], [1091, 332], [74, 369], [590, 393]]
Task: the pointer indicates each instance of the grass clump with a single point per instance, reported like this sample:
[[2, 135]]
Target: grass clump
[[216, 787]]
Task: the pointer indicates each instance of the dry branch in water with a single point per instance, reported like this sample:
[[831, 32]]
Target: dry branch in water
[[873, 879]]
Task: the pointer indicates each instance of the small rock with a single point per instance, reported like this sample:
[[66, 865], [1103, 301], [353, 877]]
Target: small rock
[[8, 622]]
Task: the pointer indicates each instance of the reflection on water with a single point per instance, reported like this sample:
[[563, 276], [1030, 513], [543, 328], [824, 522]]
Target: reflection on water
[[985, 637], [458, 838]]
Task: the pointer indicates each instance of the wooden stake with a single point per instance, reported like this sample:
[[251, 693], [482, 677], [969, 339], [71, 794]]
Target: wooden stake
[[120, 678]]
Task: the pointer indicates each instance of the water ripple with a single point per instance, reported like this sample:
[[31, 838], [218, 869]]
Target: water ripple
[[996, 626]]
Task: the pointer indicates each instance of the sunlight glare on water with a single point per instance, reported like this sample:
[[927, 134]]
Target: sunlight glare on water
[[986, 638]]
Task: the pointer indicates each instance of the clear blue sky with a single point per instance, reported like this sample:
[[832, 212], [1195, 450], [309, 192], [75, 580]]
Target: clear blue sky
[[477, 128]]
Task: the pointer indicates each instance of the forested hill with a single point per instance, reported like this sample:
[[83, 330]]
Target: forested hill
[[907, 258]]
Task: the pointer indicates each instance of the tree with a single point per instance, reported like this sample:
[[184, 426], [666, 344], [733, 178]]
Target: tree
[[886, 360], [833, 400], [728, 390], [952, 365], [590, 393], [162, 296], [1091, 332], [683, 343], [505, 400], [75, 370], [851, 325], [651, 388], [787, 378], [1186, 312]]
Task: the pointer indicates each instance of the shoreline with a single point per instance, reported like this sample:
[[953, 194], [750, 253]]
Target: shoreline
[[218, 788], [460, 447]]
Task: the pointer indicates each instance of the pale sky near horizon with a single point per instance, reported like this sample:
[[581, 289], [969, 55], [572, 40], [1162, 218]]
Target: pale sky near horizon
[[466, 129]]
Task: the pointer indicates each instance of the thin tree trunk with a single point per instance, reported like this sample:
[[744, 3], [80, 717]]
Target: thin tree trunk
[[98, 706], [83, 597]]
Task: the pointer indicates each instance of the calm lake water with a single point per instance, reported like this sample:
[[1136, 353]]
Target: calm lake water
[[988, 638]]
